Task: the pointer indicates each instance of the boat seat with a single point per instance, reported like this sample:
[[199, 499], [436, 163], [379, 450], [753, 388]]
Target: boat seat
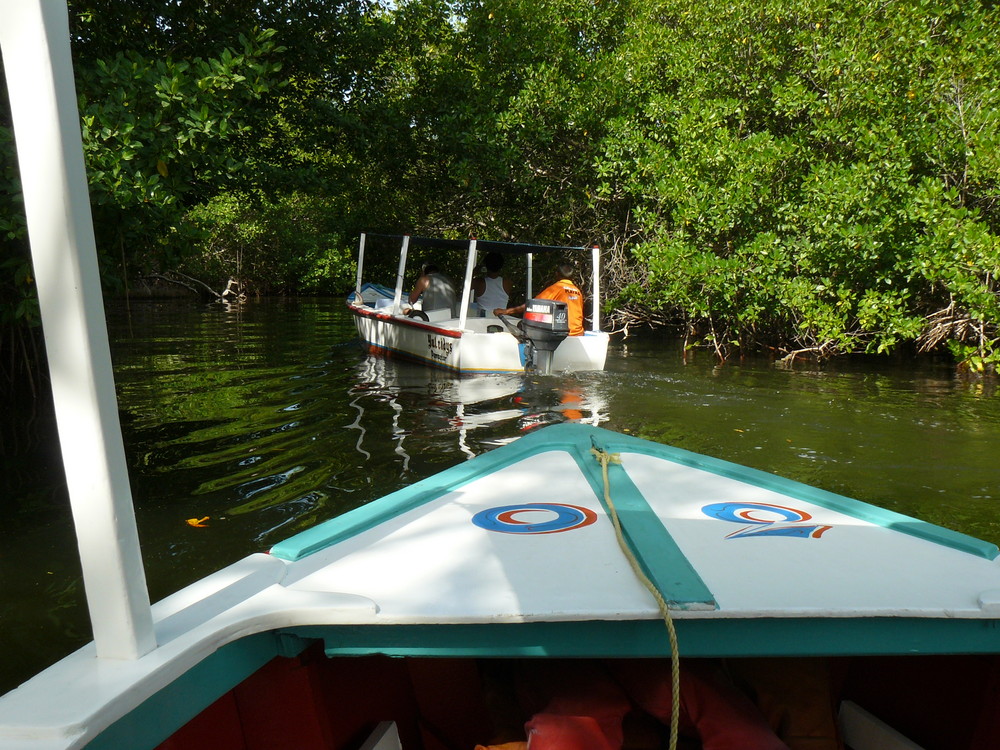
[[443, 313], [385, 737], [862, 731]]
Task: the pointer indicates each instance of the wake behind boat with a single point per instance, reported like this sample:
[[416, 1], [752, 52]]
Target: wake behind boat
[[474, 341]]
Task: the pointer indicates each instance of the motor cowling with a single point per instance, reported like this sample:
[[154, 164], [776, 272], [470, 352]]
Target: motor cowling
[[545, 325]]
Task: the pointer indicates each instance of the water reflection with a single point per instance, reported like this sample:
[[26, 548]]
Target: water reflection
[[426, 403], [269, 418]]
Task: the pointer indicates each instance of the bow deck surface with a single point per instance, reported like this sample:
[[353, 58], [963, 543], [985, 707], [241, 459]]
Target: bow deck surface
[[523, 534]]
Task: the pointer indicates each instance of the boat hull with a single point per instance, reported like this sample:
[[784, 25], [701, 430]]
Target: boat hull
[[312, 701], [473, 349]]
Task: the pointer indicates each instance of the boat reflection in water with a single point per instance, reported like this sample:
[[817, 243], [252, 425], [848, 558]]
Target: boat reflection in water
[[431, 403]]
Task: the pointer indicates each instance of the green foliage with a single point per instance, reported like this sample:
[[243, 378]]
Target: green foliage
[[286, 246], [803, 175], [538, 87], [160, 135], [813, 175]]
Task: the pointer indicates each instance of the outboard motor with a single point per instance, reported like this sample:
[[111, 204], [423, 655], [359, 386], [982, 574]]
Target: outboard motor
[[545, 325]]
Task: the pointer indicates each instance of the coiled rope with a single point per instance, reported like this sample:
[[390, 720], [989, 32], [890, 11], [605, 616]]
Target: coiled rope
[[605, 458]]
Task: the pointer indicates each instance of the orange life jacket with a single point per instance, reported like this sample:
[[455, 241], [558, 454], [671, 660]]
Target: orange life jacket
[[566, 291]]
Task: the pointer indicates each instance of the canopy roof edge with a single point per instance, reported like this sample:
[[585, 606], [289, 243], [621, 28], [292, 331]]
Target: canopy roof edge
[[485, 245]]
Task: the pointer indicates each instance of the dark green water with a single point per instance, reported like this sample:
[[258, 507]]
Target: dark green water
[[269, 419]]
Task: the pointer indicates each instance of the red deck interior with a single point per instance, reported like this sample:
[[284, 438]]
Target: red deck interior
[[939, 702]]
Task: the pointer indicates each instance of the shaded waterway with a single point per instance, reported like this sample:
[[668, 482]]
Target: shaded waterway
[[266, 419]]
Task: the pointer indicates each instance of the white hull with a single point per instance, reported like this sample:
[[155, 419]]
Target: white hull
[[471, 349]]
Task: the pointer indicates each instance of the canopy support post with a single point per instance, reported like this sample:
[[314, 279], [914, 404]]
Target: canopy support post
[[470, 264], [529, 285], [361, 265], [398, 297], [595, 265], [34, 37]]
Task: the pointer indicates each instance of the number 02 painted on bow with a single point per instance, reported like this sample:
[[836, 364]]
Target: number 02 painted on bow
[[534, 518], [765, 519]]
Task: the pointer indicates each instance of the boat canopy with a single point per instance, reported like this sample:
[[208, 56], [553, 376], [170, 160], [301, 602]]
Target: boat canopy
[[488, 246], [473, 247]]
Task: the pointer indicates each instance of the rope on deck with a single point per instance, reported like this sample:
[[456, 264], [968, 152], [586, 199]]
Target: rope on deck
[[605, 458]]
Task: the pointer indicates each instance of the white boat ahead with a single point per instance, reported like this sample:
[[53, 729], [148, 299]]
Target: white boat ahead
[[475, 341]]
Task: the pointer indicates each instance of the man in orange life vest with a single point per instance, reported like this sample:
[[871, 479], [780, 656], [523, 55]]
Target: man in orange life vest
[[563, 290]]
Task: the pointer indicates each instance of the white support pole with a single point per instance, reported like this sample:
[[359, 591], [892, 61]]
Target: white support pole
[[361, 265], [398, 297], [470, 264], [528, 285], [595, 264], [34, 37]]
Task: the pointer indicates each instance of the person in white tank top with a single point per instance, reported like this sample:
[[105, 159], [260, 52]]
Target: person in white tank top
[[492, 291]]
